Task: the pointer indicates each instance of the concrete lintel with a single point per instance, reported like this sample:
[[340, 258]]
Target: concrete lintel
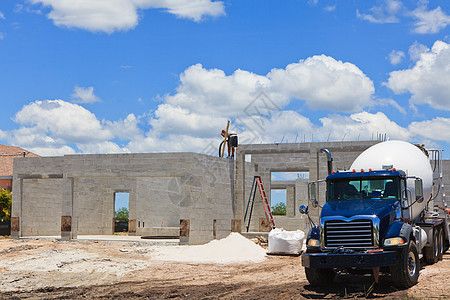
[[288, 169], [270, 150], [152, 173], [281, 184], [304, 147], [39, 176]]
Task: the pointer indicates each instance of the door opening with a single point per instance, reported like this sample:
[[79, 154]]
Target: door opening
[[121, 211]]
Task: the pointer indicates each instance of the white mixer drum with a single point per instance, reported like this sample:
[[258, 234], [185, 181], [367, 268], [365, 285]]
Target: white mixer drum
[[401, 156]]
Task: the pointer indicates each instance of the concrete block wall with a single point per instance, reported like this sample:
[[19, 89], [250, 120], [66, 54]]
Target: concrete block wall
[[42, 207], [210, 186], [157, 203], [163, 187], [446, 180], [94, 203]]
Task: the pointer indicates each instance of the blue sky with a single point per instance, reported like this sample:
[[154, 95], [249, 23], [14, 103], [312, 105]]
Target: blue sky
[[112, 76]]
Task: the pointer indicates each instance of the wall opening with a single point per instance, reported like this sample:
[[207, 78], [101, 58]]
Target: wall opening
[[278, 202], [121, 211]]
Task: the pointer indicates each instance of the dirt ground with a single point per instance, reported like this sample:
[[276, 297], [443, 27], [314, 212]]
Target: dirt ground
[[52, 269]]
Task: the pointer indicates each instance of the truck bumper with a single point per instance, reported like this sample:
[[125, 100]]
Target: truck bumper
[[355, 260]]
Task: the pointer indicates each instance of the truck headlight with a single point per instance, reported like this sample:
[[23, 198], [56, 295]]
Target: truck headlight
[[313, 243], [395, 241]]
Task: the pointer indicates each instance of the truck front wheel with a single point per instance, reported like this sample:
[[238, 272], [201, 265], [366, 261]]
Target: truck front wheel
[[319, 276], [405, 273]]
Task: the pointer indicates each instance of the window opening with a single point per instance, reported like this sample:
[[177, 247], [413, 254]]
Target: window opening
[[278, 201]]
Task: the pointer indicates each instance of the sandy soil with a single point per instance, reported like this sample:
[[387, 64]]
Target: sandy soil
[[44, 269]]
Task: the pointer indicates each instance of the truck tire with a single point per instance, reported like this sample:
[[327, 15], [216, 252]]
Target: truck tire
[[405, 273], [441, 243], [317, 277], [431, 253], [446, 245]]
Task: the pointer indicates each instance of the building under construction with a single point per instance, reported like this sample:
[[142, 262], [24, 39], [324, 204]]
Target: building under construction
[[197, 197]]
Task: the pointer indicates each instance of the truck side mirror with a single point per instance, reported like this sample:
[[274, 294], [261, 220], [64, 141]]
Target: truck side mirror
[[303, 209], [312, 194], [419, 190]]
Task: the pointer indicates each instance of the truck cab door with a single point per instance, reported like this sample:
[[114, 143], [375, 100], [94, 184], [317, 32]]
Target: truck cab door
[[405, 198]]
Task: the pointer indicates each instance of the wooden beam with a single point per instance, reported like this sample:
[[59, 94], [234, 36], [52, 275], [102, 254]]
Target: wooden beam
[[225, 138]]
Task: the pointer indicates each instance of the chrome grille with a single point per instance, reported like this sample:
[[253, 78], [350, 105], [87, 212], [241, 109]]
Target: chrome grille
[[352, 234]]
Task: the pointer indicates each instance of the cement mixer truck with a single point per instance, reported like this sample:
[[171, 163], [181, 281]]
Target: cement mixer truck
[[383, 215]]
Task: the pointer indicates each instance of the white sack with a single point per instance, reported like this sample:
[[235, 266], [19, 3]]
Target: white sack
[[285, 242]]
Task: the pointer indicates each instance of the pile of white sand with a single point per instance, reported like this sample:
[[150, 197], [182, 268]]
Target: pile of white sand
[[233, 249]]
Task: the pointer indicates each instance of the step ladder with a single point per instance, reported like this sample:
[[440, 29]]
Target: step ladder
[[257, 183]]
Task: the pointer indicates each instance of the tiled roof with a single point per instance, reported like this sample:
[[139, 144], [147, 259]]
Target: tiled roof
[[7, 154]]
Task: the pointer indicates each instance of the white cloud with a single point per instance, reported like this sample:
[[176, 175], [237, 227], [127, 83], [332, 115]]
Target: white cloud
[[57, 127], [189, 9], [390, 11], [396, 57], [126, 128], [429, 128], [427, 81], [416, 50], [19, 8], [430, 21], [2, 35], [330, 8], [84, 95], [3, 134], [49, 151], [361, 126], [385, 13], [205, 99], [390, 102], [104, 147], [212, 92], [115, 15], [56, 122], [174, 119], [191, 118], [2, 16], [289, 126], [324, 83]]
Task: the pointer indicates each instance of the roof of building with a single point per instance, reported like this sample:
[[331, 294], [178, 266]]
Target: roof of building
[[7, 155]]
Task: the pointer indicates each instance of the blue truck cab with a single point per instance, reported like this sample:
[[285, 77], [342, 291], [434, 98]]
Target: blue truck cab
[[363, 227]]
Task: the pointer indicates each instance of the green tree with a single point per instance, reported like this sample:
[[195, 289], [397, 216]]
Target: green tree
[[121, 214], [5, 204], [279, 209]]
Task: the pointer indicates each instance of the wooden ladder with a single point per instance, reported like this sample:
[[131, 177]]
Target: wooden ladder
[[257, 182]]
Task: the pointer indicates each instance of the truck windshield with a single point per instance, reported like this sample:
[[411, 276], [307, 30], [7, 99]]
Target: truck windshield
[[366, 188]]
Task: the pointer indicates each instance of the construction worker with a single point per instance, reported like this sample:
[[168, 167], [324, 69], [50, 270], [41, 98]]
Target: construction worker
[[232, 142]]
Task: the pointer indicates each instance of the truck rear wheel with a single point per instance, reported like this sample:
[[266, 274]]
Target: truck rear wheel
[[406, 272], [431, 253], [441, 243], [319, 276]]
